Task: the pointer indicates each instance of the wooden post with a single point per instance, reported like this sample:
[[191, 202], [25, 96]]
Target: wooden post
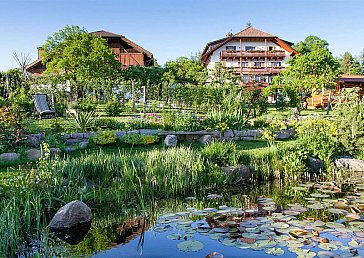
[[144, 101], [132, 94], [328, 103]]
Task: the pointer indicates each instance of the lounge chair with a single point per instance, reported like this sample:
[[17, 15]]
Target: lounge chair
[[41, 105]]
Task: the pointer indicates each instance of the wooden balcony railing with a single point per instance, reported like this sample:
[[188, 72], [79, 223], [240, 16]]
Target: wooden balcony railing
[[229, 54], [258, 70]]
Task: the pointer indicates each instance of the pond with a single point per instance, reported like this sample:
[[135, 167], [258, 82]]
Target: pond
[[305, 220]]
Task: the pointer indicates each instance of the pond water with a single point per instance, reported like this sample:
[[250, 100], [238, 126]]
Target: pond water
[[306, 220]]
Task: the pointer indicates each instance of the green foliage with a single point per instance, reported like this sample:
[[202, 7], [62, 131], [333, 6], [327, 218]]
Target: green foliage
[[184, 71], [109, 123], [139, 139], [54, 140], [349, 65], [11, 128], [83, 58], [349, 118], [104, 137], [186, 121], [61, 108], [113, 107], [84, 120], [293, 163], [22, 101], [315, 68], [220, 153], [234, 119], [318, 137], [310, 44], [87, 104]]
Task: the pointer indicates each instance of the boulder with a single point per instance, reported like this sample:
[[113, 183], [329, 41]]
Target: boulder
[[120, 134], [87, 135], [11, 156], [355, 165], [66, 136], [33, 154], [228, 134], [72, 214], [54, 151], [72, 142], [241, 171], [34, 140], [148, 131], [78, 136], [256, 133], [285, 134], [83, 145], [315, 165], [170, 140], [205, 139], [72, 222], [69, 149]]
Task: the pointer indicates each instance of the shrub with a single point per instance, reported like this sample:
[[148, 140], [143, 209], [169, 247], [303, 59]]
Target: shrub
[[86, 104], [234, 119], [61, 108], [109, 123], [84, 120], [186, 122], [11, 128], [104, 137], [22, 101], [54, 140], [349, 118], [319, 138], [220, 153], [113, 107], [139, 139]]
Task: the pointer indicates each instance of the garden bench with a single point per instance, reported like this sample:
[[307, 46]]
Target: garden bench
[[188, 136]]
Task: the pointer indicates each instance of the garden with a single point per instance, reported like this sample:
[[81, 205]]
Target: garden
[[178, 158]]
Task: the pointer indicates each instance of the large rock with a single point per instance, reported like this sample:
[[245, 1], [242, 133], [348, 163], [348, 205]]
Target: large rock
[[11, 156], [54, 151], [315, 165], [120, 134], [83, 145], [34, 140], [228, 134], [242, 172], [72, 222], [72, 142], [170, 140], [285, 134], [355, 165], [205, 139], [33, 154], [256, 133], [78, 136], [71, 215], [69, 149]]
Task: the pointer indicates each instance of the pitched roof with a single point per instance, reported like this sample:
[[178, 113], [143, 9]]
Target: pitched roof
[[251, 32], [104, 33], [351, 78]]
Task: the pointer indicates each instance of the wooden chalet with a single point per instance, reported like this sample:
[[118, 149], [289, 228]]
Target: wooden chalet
[[128, 53], [254, 54]]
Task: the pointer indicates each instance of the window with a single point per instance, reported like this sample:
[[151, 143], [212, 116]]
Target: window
[[244, 64], [270, 48], [230, 48], [249, 48], [276, 64], [258, 64]]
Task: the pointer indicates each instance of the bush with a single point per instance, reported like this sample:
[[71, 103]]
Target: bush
[[186, 122], [109, 123], [113, 107], [319, 138], [54, 140], [220, 153], [85, 104], [139, 139], [22, 101], [104, 137], [11, 128], [234, 119]]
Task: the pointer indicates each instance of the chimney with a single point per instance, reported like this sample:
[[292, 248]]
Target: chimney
[[40, 50]]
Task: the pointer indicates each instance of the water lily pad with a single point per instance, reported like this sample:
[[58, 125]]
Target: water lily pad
[[337, 211], [228, 242], [299, 188], [214, 196], [174, 236], [326, 254], [327, 246], [317, 195], [242, 245], [275, 251], [190, 246]]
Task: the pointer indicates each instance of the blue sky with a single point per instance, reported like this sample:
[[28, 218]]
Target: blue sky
[[171, 28]]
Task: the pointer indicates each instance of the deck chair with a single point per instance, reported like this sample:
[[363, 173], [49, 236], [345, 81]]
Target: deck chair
[[41, 105]]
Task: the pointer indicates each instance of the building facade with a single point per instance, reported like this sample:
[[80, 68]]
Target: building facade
[[127, 53], [255, 55]]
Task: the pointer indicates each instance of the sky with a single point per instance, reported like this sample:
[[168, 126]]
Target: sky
[[173, 28]]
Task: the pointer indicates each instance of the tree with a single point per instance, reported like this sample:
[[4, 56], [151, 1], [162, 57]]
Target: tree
[[314, 69], [349, 65], [82, 58], [184, 71], [311, 43]]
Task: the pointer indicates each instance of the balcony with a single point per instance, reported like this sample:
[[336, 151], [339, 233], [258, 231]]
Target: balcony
[[256, 54], [258, 70]]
